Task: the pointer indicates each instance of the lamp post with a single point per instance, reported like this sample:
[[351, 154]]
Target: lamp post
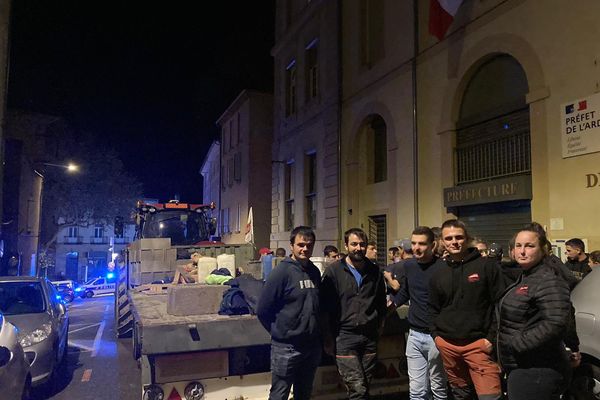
[[70, 168]]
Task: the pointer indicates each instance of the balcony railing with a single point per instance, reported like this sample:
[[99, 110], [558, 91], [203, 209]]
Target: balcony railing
[[122, 240], [73, 239], [98, 240], [505, 156]]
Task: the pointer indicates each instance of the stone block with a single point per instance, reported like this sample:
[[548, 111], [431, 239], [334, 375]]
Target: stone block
[[194, 299]]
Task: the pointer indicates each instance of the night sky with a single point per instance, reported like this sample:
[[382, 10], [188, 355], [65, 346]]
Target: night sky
[[150, 80]]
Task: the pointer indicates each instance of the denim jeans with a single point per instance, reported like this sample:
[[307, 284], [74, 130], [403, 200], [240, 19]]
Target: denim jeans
[[295, 366], [426, 373]]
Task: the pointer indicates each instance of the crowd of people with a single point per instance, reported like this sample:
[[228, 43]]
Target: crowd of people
[[483, 324]]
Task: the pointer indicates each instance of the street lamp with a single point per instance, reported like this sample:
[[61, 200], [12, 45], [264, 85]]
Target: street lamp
[[70, 168]]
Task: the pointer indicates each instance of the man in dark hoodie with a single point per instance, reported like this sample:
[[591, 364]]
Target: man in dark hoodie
[[353, 305], [461, 302], [289, 309]]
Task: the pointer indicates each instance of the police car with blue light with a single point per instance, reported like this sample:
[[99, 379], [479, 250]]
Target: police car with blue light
[[97, 286]]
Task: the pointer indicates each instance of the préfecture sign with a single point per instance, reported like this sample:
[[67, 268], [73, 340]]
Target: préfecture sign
[[580, 126]]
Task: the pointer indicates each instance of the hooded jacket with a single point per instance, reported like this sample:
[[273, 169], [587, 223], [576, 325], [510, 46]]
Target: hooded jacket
[[533, 319], [289, 304], [462, 296]]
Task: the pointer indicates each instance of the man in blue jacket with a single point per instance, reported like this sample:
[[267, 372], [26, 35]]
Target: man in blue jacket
[[289, 309]]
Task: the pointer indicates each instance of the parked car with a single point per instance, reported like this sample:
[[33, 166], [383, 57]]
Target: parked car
[[66, 290], [14, 368], [34, 307], [586, 300], [94, 287]]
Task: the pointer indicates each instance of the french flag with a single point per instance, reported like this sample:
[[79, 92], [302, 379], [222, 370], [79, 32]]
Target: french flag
[[441, 15]]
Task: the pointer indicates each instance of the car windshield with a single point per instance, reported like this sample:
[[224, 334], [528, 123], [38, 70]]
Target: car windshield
[[182, 226], [21, 298], [90, 281]]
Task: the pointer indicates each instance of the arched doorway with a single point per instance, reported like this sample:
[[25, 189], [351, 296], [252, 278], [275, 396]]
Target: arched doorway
[[492, 192]]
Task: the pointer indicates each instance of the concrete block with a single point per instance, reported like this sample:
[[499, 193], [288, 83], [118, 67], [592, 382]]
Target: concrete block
[[194, 299]]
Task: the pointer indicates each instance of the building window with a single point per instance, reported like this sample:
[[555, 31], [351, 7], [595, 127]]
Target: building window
[[376, 150], [225, 221], [237, 167], [233, 130], [223, 177], [238, 218], [289, 196], [72, 232], [98, 231], [226, 138], [312, 70], [290, 89], [238, 133], [371, 32], [230, 171], [310, 188]]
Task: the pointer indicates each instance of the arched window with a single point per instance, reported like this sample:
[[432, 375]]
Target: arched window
[[492, 139], [376, 149]]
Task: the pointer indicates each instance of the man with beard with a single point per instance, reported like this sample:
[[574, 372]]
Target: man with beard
[[289, 310], [353, 306]]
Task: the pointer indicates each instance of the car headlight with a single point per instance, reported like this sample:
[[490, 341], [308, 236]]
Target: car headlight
[[79, 289], [38, 335]]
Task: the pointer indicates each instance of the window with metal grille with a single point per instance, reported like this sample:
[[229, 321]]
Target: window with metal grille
[[378, 233], [493, 149]]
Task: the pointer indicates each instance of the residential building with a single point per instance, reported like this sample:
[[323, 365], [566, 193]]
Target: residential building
[[84, 252], [306, 162], [211, 175], [246, 137]]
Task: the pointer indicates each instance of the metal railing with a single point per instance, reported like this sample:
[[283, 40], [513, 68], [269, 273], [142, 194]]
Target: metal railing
[[505, 156]]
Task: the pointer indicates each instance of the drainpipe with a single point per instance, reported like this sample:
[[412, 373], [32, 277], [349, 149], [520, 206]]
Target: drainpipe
[[414, 114], [339, 114]]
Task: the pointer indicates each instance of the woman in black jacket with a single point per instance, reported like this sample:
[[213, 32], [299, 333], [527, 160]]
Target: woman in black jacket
[[533, 314]]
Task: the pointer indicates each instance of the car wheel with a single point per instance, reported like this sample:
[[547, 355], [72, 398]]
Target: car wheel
[[89, 294]]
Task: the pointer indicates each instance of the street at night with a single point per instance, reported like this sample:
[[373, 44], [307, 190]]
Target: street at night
[[98, 365], [324, 199]]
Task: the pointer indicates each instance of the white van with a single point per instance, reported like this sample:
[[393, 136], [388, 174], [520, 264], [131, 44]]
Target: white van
[[96, 286]]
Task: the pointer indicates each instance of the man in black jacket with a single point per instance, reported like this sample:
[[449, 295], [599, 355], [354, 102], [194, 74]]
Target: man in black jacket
[[353, 308], [577, 260], [462, 296], [427, 378], [289, 309]]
